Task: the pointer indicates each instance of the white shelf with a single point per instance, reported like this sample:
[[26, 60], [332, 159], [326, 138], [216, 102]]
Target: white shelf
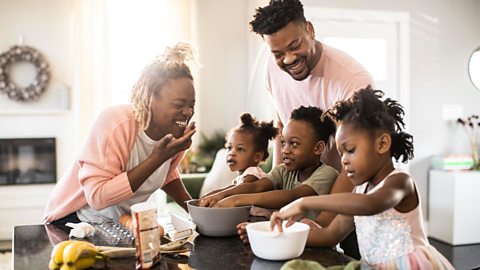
[[452, 200]]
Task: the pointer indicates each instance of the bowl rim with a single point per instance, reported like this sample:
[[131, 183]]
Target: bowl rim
[[189, 203], [303, 227]]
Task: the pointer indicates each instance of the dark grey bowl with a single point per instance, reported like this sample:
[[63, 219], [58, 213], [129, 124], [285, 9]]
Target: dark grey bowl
[[217, 221]]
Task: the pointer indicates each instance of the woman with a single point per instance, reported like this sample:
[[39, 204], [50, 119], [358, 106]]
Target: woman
[[132, 150]]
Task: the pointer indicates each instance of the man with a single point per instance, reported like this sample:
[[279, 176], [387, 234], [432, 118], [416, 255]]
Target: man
[[303, 71]]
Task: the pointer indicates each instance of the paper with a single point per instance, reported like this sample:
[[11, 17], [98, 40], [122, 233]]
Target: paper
[[80, 230]]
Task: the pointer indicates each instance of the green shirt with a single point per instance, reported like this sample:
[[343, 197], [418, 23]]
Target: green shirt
[[320, 181]]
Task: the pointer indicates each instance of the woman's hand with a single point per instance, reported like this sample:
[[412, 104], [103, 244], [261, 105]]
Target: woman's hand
[[291, 212], [242, 232], [169, 146]]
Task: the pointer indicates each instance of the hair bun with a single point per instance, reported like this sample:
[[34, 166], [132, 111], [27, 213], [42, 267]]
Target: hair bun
[[179, 54], [248, 120]]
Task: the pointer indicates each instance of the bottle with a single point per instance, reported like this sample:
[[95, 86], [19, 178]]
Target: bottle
[[145, 227]]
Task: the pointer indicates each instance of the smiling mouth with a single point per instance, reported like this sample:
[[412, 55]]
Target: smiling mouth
[[297, 67], [181, 123], [287, 161]]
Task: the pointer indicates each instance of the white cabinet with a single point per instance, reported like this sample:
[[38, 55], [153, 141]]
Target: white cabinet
[[454, 206], [21, 205]]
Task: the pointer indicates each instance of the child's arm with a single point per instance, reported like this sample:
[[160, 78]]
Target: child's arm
[[398, 191], [273, 199], [216, 191], [260, 185], [331, 235]]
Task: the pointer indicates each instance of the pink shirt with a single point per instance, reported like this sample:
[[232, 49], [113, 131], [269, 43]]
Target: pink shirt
[[335, 77], [98, 177]]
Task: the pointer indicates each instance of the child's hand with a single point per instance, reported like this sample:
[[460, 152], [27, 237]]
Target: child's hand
[[227, 202], [209, 201], [312, 224], [242, 232], [291, 212]]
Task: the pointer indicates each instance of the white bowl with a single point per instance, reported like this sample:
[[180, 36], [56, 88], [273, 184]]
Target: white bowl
[[272, 245], [217, 221]]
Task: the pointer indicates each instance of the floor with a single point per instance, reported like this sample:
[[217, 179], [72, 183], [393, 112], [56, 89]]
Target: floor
[[462, 257]]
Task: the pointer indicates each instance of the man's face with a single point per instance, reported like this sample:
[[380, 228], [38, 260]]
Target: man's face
[[294, 50]]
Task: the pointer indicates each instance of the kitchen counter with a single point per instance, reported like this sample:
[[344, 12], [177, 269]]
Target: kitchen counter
[[32, 245]]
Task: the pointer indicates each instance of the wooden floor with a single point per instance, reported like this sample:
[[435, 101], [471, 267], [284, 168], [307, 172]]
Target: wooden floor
[[462, 257]]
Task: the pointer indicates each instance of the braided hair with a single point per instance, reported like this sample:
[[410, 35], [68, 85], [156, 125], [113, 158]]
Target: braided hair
[[170, 65], [366, 110], [262, 132], [324, 127], [269, 19]]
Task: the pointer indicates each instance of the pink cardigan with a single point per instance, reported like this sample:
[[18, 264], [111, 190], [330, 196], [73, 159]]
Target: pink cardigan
[[98, 177]]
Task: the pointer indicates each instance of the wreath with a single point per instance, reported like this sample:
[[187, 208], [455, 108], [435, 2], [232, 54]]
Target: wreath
[[23, 54]]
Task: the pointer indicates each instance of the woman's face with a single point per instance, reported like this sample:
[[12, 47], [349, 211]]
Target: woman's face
[[172, 108]]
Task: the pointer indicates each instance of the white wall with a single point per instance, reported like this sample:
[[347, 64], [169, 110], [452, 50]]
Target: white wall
[[44, 25]]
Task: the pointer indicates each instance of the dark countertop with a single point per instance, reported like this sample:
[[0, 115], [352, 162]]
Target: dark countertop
[[32, 245]]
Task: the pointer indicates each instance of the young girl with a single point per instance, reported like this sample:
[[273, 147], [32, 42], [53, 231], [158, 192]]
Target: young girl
[[302, 173], [132, 150], [247, 146], [385, 207]]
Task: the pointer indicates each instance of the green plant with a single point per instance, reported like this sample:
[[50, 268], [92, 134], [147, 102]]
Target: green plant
[[208, 147], [471, 126]]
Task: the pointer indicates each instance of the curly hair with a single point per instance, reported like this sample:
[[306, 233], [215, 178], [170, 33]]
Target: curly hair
[[269, 19], [324, 127], [170, 65], [366, 110], [262, 132]]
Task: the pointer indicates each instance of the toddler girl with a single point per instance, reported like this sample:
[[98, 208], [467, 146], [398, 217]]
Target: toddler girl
[[385, 207], [247, 146]]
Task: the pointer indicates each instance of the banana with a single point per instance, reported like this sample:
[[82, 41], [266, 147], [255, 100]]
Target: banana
[[66, 267], [53, 265], [84, 263], [57, 253], [77, 250]]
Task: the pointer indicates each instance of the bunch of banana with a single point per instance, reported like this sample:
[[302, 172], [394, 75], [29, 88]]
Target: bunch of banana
[[74, 255]]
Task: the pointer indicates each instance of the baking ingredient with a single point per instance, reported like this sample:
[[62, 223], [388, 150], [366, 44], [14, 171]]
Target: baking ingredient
[[126, 220]]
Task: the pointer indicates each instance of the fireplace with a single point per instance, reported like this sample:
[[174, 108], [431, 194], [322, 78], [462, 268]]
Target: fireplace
[[27, 161]]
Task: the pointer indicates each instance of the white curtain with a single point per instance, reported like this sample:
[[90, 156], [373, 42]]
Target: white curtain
[[113, 40]]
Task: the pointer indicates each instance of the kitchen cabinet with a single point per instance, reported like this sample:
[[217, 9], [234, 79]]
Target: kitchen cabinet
[[453, 202]]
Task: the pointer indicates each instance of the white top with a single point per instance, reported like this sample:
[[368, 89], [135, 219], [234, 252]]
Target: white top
[[142, 148]]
